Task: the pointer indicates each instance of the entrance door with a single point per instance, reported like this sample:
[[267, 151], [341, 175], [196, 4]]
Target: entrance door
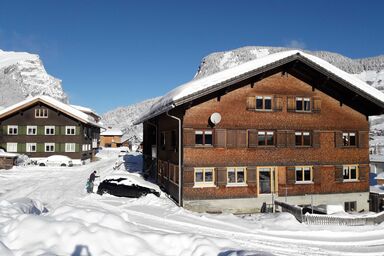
[[266, 180]]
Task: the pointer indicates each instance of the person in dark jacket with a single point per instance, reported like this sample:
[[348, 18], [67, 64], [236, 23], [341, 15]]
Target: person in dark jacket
[[91, 179]]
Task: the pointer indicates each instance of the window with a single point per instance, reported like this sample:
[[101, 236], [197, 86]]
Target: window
[[49, 147], [303, 174], [204, 177], [303, 104], [70, 130], [265, 138], [162, 140], [350, 206], [11, 147], [13, 129], [31, 147], [203, 138], [350, 172], [70, 147], [235, 175], [263, 103], [41, 113], [31, 130], [50, 130], [302, 139], [349, 139]]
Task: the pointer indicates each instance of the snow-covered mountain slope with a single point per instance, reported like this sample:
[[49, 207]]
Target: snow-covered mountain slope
[[123, 118], [22, 75]]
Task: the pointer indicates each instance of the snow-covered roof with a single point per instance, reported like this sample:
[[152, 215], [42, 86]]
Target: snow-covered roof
[[6, 154], [65, 108], [378, 189], [85, 110], [112, 132], [376, 158], [197, 88], [380, 176]]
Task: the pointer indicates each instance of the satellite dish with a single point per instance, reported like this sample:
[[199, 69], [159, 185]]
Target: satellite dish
[[215, 118]]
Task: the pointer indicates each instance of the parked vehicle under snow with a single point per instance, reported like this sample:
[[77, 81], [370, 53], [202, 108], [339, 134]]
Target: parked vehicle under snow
[[117, 187]]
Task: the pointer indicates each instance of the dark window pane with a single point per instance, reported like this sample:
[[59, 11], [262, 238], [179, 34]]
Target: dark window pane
[[307, 105], [299, 175], [270, 139], [268, 103], [199, 176], [307, 140], [199, 139], [298, 140], [240, 176], [259, 103], [345, 139], [352, 140], [299, 105], [208, 176], [231, 176], [346, 173], [208, 139], [307, 175], [261, 139], [353, 172]]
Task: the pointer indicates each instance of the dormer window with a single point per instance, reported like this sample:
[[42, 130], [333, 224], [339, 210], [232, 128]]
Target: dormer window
[[41, 113]]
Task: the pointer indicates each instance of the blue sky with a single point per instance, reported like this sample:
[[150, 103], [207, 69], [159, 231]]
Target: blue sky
[[115, 53]]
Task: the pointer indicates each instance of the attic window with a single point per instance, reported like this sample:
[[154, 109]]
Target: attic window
[[41, 113], [303, 104], [263, 103]]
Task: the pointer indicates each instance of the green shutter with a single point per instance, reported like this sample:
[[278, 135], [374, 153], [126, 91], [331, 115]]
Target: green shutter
[[62, 130], [21, 147], [40, 147], [5, 132], [40, 130], [77, 130], [77, 147], [22, 130], [62, 147], [57, 147]]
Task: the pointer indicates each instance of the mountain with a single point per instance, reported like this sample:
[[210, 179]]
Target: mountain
[[22, 75], [370, 70], [123, 118]]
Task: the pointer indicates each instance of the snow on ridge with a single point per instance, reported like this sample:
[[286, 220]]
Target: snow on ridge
[[10, 58]]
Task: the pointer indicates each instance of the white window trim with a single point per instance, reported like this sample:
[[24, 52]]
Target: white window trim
[[237, 184], [49, 127], [303, 99], [13, 145], [70, 147], [28, 145], [70, 127], [204, 184], [263, 98], [304, 181], [49, 144], [31, 127], [40, 111], [13, 127], [357, 172]]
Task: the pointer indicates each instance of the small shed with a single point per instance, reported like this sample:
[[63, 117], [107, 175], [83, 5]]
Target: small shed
[[7, 160]]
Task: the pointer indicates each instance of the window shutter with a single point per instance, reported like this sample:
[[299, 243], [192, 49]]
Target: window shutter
[[338, 139], [231, 138], [62, 147], [339, 173], [241, 138], [77, 147], [316, 106], [251, 175], [22, 147], [188, 137], [291, 177], [363, 139], [57, 147], [281, 139], [221, 173], [277, 103], [291, 104], [40, 147], [363, 172], [316, 139], [40, 130], [4, 130], [252, 138], [22, 130], [316, 172], [251, 103], [220, 137], [291, 139]]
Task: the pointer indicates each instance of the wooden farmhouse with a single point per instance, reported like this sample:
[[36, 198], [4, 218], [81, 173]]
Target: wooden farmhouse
[[42, 126], [111, 138], [288, 126]]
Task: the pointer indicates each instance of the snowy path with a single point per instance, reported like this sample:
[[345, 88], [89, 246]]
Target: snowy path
[[78, 223]]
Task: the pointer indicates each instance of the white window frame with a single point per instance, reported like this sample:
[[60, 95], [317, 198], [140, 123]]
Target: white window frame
[[303, 169], [347, 167], [204, 183], [12, 147], [303, 100], [263, 98], [29, 147], [236, 170], [32, 127], [70, 147], [13, 130], [49, 127], [41, 113], [348, 136], [49, 145], [69, 128]]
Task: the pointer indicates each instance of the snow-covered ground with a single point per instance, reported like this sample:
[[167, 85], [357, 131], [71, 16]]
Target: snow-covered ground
[[46, 211]]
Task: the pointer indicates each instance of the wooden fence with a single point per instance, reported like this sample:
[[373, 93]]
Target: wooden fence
[[319, 219]]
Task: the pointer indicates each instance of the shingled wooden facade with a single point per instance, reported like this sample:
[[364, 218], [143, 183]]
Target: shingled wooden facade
[[38, 130], [282, 135]]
